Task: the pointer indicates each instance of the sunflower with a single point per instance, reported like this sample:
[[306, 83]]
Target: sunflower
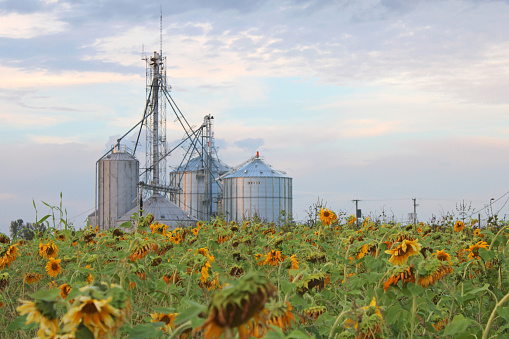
[[440, 324], [141, 250], [235, 306], [7, 255], [273, 258], [435, 272], [90, 278], [327, 216], [312, 313], [167, 318], [4, 280], [195, 231], [64, 290], [53, 267], [281, 316], [41, 312], [295, 262], [98, 315], [4, 239], [474, 249], [30, 278], [205, 272], [369, 323], [459, 226], [404, 250], [442, 256], [61, 237], [477, 232], [403, 274], [49, 250]]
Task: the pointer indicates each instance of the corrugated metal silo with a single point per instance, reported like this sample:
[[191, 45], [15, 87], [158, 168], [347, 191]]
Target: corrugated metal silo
[[193, 181], [256, 189], [118, 175]]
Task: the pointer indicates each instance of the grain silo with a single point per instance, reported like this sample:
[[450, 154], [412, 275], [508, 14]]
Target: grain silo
[[255, 189], [118, 174], [196, 183]]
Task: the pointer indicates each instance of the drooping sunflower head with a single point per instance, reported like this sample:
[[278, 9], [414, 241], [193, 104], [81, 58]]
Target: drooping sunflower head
[[239, 302], [442, 256], [280, 315], [42, 312], [4, 280], [404, 273], [4, 239], [309, 281], [435, 270], [30, 278]]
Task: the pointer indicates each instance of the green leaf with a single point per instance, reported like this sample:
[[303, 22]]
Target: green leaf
[[486, 255], [43, 219], [287, 286], [503, 312], [126, 224], [84, 333], [164, 310], [458, 325], [144, 331], [192, 311], [19, 323], [415, 289], [477, 290], [109, 269], [45, 295], [299, 300]]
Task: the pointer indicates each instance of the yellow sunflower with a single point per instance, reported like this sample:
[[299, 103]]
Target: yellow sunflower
[[327, 216], [474, 249], [53, 267], [98, 315], [195, 231], [41, 312], [459, 226], [477, 232], [403, 251], [281, 316], [442, 256], [30, 278], [64, 290], [50, 250], [167, 318]]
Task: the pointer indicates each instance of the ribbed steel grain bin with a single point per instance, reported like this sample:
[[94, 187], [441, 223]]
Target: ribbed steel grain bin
[[256, 189], [192, 182], [117, 192]]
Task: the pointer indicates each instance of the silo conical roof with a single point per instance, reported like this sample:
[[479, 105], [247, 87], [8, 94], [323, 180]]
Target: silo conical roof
[[255, 168], [196, 164], [164, 212]]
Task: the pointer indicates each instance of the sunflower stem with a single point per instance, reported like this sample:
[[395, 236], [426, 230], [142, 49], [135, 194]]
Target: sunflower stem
[[336, 323], [493, 241], [179, 329], [492, 316]]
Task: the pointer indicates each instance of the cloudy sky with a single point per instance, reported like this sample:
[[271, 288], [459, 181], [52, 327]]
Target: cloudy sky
[[378, 100]]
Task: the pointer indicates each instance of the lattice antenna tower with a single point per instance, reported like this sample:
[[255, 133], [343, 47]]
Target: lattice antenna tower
[[155, 123]]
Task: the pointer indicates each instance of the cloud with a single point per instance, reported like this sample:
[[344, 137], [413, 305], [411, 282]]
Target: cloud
[[17, 77], [27, 26]]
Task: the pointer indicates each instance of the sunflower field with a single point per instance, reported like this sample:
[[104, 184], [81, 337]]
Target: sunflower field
[[335, 278]]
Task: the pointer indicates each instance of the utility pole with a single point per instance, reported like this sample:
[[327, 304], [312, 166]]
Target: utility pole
[[357, 216], [415, 211]]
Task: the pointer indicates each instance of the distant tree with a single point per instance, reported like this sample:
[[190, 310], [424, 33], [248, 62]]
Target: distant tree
[[16, 226], [27, 232]]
